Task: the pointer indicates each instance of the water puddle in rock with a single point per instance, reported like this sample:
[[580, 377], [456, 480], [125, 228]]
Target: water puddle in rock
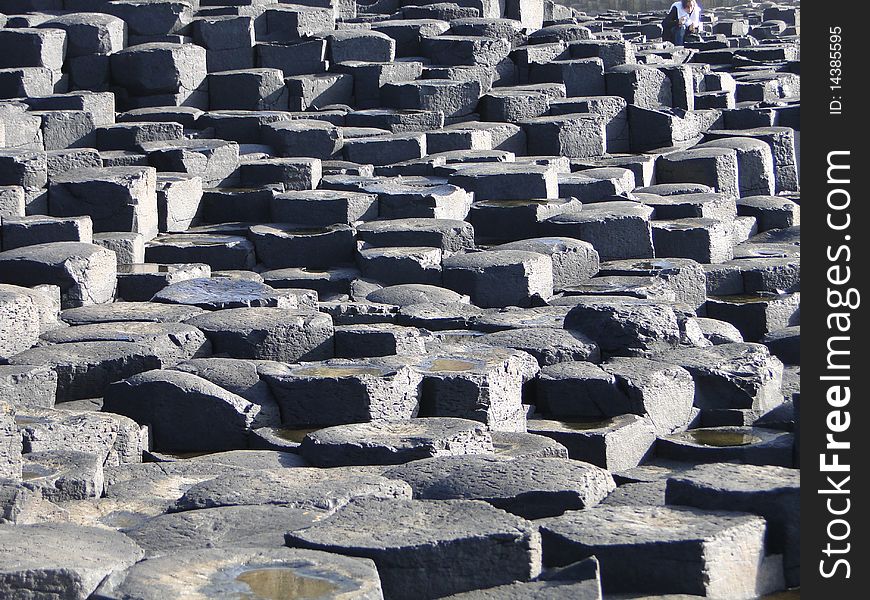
[[293, 435], [348, 371], [306, 231], [281, 583], [586, 425], [722, 439], [450, 365], [516, 202], [747, 298]]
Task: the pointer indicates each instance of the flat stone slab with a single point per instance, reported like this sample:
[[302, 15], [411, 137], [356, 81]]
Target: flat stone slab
[[219, 293], [663, 550], [531, 488], [428, 548], [221, 527], [172, 342], [414, 293], [304, 488], [536, 590], [395, 443], [512, 444], [227, 573], [129, 311], [65, 559]]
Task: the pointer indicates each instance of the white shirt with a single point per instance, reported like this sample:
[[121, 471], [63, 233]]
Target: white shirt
[[693, 18]]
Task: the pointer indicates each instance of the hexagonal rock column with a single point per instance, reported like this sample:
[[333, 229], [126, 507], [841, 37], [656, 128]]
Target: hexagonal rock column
[[750, 445], [160, 74], [85, 369], [304, 137], [259, 572], [484, 384], [782, 145], [716, 167], [27, 385], [115, 439], [280, 245], [531, 488], [116, 198], [19, 320], [342, 391], [507, 181], [217, 251], [10, 442], [616, 230], [636, 545], [574, 261], [549, 345], [267, 333], [770, 492], [381, 150], [614, 444], [216, 161], [398, 265], [578, 390], [85, 273], [738, 375], [69, 559], [379, 339], [62, 475], [644, 86], [495, 279], [514, 220], [624, 326], [755, 164], [416, 543], [756, 315], [448, 234], [579, 135], [173, 404], [706, 241], [289, 485], [771, 212], [685, 277], [322, 208], [453, 98], [394, 443], [691, 205]]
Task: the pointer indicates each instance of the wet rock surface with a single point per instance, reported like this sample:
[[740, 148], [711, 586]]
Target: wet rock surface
[[395, 299]]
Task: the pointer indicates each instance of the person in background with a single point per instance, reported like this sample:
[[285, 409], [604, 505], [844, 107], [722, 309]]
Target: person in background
[[688, 19]]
